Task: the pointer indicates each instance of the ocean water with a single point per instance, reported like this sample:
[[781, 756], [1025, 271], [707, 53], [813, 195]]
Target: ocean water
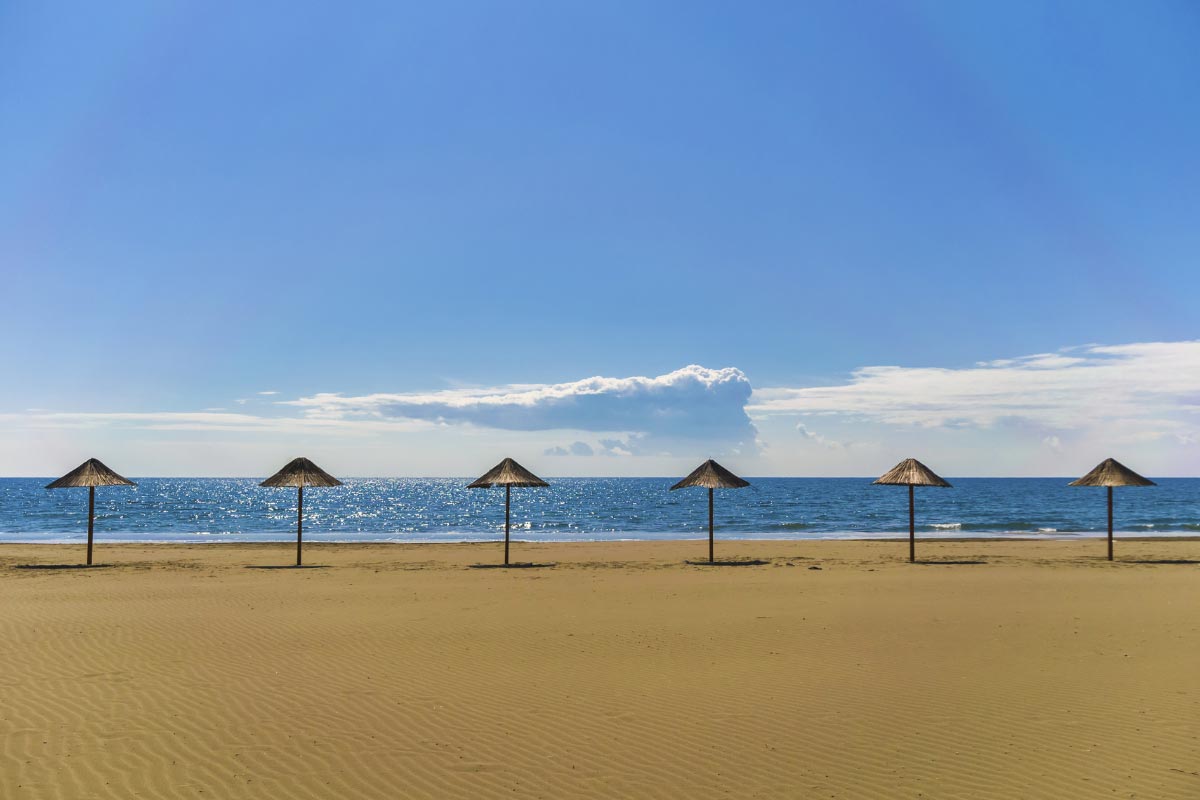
[[582, 509]]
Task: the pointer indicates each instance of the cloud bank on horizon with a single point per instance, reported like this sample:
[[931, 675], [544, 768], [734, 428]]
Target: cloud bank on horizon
[[1141, 396], [642, 414], [1142, 391]]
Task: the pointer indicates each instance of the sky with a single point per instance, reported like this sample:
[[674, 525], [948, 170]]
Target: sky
[[602, 238]]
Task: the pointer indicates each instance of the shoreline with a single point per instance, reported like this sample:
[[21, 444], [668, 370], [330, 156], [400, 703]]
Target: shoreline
[[220, 539], [976, 552]]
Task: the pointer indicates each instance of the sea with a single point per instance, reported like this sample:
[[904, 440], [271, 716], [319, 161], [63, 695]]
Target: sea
[[588, 509]]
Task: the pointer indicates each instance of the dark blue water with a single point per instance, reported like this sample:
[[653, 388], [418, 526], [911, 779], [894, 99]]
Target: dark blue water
[[443, 509]]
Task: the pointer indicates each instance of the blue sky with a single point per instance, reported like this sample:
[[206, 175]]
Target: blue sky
[[415, 224]]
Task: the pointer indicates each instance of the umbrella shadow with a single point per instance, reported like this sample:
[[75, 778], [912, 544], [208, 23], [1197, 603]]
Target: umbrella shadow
[[517, 565], [947, 563], [287, 566], [1161, 561], [64, 566], [754, 562]]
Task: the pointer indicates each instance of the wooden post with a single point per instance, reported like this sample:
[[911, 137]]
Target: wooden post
[[299, 522], [912, 526], [710, 526], [507, 503], [1110, 558], [91, 517]]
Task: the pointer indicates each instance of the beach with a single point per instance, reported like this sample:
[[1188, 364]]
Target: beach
[[997, 669]]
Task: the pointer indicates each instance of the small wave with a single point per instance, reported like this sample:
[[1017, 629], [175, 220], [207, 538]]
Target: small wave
[[947, 526], [794, 526], [1047, 530]]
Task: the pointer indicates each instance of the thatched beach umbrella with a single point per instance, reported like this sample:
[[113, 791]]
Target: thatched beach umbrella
[[91, 473], [300, 472], [508, 474], [711, 475], [910, 473], [1110, 473]]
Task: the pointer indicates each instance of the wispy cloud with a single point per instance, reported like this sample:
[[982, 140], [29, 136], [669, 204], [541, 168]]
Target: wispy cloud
[[574, 449], [202, 421], [817, 438], [268, 393], [1136, 391]]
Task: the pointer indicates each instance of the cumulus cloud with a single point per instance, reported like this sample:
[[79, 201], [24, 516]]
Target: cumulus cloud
[[689, 404], [664, 415], [1139, 391]]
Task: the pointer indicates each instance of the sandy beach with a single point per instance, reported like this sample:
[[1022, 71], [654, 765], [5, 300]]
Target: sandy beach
[[834, 669]]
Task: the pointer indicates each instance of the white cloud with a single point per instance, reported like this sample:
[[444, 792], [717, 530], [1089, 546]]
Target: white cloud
[[268, 393], [1038, 414], [617, 447], [1135, 391], [199, 421], [689, 404], [574, 449], [818, 438]]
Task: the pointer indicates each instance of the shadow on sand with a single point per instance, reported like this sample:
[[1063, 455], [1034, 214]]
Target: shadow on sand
[[946, 563], [754, 562], [517, 565], [64, 566], [287, 566], [1160, 561]]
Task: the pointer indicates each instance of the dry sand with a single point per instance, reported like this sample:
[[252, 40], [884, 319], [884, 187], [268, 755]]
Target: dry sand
[[396, 671]]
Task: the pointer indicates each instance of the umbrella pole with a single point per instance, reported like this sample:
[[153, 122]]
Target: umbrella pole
[[299, 521], [1110, 558], [912, 526], [710, 526], [91, 517], [507, 503]]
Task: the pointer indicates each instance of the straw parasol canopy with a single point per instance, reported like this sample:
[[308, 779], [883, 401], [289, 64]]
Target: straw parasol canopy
[[91, 473], [507, 473], [910, 473], [711, 475], [1110, 473], [300, 472]]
